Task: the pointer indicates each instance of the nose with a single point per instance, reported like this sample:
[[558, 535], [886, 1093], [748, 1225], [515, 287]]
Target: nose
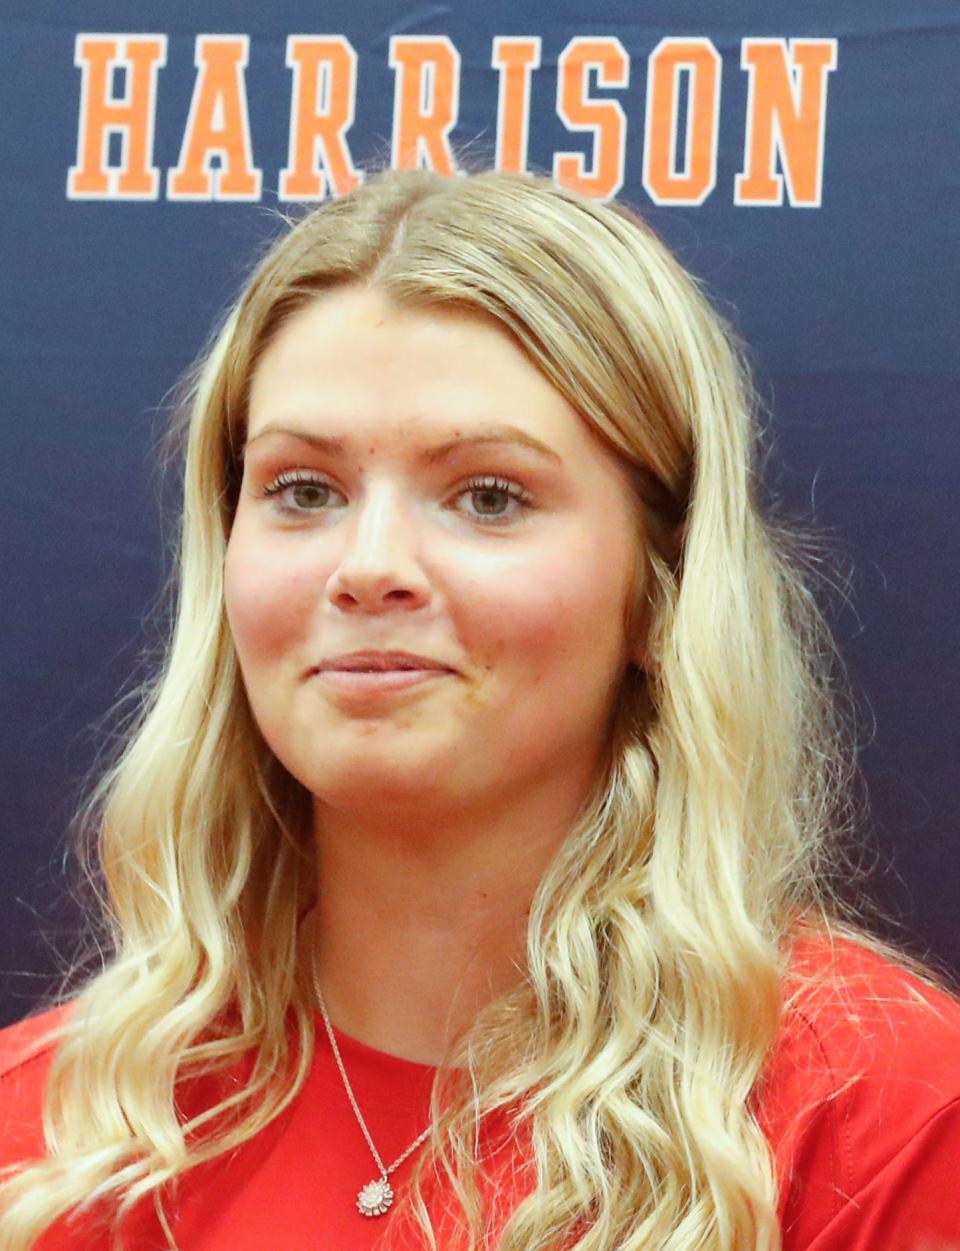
[[378, 569]]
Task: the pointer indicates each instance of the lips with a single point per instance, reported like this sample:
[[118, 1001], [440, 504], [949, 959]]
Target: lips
[[380, 662]]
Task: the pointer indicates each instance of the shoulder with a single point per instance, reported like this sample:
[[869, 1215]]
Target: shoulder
[[32, 1038], [853, 1015], [26, 1053], [861, 1100]]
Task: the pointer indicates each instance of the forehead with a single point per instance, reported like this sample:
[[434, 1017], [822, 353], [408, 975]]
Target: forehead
[[356, 360]]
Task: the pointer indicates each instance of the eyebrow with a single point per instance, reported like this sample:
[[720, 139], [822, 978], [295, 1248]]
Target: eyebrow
[[335, 446]]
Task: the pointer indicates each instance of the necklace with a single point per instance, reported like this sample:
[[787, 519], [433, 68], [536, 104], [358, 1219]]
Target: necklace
[[376, 1196]]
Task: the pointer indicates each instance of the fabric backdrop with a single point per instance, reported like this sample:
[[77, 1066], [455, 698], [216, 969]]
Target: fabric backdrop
[[801, 160]]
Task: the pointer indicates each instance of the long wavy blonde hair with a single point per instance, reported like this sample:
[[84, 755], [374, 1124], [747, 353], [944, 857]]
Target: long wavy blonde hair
[[659, 936]]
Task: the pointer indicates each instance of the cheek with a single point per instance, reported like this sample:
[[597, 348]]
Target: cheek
[[559, 603], [267, 600]]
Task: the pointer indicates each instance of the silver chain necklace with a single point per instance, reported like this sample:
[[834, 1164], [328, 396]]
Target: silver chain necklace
[[376, 1196]]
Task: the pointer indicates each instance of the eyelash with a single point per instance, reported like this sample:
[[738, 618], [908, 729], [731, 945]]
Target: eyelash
[[284, 481]]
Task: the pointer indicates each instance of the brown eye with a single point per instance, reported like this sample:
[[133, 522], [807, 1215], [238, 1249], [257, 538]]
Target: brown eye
[[305, 493], [496, 499], [490, 500], [310, 494]]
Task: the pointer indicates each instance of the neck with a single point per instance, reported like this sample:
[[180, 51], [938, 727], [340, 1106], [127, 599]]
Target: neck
[[421, 918]]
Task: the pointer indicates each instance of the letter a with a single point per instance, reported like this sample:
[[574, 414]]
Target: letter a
[[217, 126]]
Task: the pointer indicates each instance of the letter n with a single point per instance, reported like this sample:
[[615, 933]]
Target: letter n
[[131, 116], [786, 115]]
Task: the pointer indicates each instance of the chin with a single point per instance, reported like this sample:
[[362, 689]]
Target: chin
[[376, 779]]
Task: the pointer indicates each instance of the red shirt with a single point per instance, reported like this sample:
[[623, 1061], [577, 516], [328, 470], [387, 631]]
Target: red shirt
[[860, 1102]]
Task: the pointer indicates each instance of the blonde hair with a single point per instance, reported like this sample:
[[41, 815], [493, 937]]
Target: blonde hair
[[659, 936]]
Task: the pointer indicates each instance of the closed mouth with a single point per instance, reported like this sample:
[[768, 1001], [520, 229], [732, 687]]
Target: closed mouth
[[382, 664]]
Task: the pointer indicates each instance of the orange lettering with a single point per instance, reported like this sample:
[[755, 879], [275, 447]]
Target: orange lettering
[[321, 112], [132, 117], [426, 101], [515, 58], [217, 126], [700, 62], [786, 115], [603, 118]]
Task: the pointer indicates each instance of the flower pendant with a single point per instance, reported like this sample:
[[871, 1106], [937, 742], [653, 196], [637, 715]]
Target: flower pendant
[[375, 1197]]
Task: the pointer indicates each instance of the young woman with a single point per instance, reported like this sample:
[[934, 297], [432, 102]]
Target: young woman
[[467, 873]]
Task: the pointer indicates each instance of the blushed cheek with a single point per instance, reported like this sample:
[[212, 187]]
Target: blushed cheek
[[565, 611], [265, 603], [540, 613]]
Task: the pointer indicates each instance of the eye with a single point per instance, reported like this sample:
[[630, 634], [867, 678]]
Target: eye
[[491, 499], [309, 493]]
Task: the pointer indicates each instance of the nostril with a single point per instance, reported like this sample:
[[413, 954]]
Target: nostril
[[354, 585]]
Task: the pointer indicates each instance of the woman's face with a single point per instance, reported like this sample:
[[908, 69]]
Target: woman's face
[[413, 484]]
